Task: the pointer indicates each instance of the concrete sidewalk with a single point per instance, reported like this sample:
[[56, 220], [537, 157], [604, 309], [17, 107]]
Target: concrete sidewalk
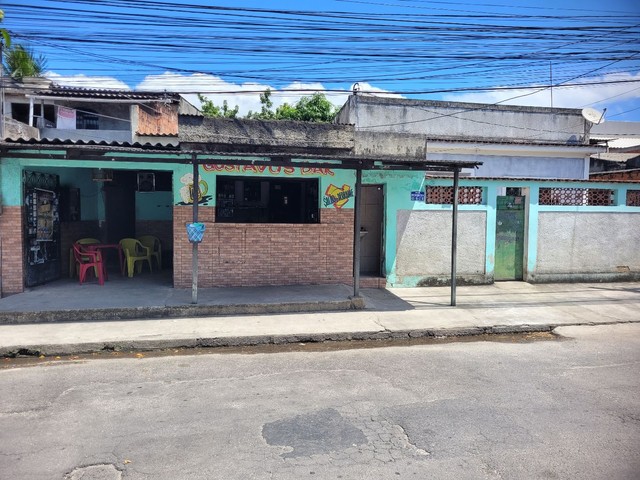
[[395, 313]]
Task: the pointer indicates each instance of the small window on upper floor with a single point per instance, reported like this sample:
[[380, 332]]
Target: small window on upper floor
[[87, 120]]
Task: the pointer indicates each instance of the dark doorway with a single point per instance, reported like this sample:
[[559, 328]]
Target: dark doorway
[[371, 231], [120, 206]]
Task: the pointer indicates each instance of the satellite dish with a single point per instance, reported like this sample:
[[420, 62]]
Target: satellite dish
[[594, 116]]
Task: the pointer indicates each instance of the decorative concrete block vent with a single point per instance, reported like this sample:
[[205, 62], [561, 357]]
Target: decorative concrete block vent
[[444, 195], [576, 196]]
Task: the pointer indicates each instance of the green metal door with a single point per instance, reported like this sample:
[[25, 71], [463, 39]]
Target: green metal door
[[509, 238]]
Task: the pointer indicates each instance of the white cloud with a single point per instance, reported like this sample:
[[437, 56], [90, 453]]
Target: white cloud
[[86, 81], [204, 83], [245, 95], [238, 93], [368, 89], [567, 97]]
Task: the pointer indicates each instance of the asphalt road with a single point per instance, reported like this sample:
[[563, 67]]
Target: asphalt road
[[471, 410]]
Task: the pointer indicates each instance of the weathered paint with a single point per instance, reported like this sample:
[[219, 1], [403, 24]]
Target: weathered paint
[[398, 186], [491, 194], [587, 243], [11, 169], [509, 236]]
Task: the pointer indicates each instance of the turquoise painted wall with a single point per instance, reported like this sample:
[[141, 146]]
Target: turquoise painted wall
[[91, 198], [154, 206], [75, 173], [398, 186]]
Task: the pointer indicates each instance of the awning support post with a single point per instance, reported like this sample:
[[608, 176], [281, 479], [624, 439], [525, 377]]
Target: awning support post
[[356, 234], [454, 235], [194, 245]]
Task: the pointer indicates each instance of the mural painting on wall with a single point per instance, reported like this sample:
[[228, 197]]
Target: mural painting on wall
[[333, 196], [187, 191], [257, 169], [337, 197]]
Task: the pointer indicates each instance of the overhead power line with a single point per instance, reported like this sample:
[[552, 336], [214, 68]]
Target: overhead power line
[[407, 47]]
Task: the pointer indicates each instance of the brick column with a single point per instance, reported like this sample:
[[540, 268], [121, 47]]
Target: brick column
[[11, 246]]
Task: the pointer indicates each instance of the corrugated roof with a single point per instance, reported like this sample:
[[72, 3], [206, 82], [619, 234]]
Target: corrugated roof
[[353, 161], [56, 142], [616, 172], [99, 93], [529, 179], [616, 129], [615, 157], [624, 142], [515, 141]]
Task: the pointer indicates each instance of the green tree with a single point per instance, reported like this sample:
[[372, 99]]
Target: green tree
[[6, 39], [20, 62], [208, 108], [314, 108], [266, 113]]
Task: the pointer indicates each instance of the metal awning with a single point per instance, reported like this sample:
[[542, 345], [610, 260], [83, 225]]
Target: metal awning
[[157, 154]]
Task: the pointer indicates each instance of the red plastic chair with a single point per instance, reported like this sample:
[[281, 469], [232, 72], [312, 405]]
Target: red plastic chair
[[88, 260]]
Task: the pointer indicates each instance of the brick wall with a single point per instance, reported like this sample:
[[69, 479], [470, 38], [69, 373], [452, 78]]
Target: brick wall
[[161, 229], [625, 175], [157, 119], [11, 264], [265, 254]]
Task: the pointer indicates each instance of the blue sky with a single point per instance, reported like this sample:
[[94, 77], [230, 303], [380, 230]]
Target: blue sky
[[490, 51]]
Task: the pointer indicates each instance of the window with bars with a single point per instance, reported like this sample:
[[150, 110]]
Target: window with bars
[[444, 195], [87, 120], [576, 196]]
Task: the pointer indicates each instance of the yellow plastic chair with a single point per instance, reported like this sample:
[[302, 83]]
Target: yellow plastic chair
[[154, 246], [135, 254]]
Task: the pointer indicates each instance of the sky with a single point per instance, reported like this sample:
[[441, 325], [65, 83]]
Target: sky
[[561, 53]]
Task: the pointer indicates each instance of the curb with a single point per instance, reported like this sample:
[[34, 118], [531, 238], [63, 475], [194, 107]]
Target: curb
[[178, 311], [217, 342], [248, 341]]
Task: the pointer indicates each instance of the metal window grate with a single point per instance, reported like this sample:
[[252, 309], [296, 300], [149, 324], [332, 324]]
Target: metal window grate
[[444, 195], [633, 198], [576, 196]]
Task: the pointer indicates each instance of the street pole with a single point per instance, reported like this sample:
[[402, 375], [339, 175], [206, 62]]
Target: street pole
[[454, 236], [2, 136], [356, 234], [195, 194]]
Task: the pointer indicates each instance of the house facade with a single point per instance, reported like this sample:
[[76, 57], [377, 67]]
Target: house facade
[[288, 203], [528, 212], [277, 198]]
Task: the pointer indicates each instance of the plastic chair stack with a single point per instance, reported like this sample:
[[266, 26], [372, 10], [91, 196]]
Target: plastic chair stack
[[88, 261]]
